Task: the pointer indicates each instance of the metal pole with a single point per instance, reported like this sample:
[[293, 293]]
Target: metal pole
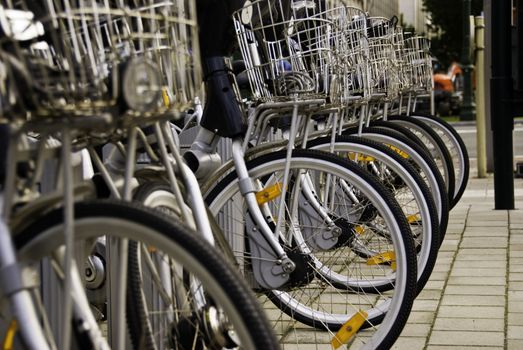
[[501, 107], [519, 51], [480, 97], [487, 7], [468, 108]]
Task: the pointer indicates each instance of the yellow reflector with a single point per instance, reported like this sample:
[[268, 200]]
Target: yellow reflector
[[166, 99], [413, 218], [347, 331], [269, 193], [383, 258], [10, 336], [360, 157], [398, 151], [359, 230]]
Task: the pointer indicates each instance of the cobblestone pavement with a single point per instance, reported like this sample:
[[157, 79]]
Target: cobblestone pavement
[[474, 299]]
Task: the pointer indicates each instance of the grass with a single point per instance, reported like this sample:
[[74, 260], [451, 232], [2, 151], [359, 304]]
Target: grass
[[451, 118], [455, 118]]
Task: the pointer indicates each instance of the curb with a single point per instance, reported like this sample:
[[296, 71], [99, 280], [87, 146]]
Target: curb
[[473, 123]]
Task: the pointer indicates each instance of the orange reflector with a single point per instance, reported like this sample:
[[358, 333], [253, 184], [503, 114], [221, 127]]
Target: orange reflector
[[398, 151], [10, 336], [383, 258], [165, 96], [413, 218], [269, 193], [349, 328], [359, 229], [360, 157]]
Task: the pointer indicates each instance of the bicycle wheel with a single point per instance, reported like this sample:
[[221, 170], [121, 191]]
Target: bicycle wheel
[[345, 280], [421, 161], [434, 144], [407, 187], [457, 149], [202, 302], [157, 195]]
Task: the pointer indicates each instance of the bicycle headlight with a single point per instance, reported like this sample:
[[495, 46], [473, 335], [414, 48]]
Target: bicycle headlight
[[20, 25], [142, 85]]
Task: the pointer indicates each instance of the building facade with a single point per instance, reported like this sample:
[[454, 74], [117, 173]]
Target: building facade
[[354, 3], [412, 14], [382, 8], [377, 8], [409, 12]]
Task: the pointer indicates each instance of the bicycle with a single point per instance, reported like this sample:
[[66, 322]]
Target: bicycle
[[67, 104], [285, 167]]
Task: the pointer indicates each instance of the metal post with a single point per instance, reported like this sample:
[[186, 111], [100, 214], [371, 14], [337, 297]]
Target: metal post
[[468, 108], [519, 50], [501, 106], [487, 7], [480, 97]]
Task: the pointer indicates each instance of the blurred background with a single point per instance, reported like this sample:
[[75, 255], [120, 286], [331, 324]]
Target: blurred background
[[442, 22]]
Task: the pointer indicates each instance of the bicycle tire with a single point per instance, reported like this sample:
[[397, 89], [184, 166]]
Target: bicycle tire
[[456, 147], [426, 209], [436, 146], [422, 160], [395, 317], [158, 195], [135, 222]]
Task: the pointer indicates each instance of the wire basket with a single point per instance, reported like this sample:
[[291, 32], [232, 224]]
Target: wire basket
[[350, 48], [383, 68], [404, 69], [82, 57], [419, 60], [287, 49]]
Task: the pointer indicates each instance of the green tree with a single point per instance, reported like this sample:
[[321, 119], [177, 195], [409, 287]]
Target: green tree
[[447, 17]]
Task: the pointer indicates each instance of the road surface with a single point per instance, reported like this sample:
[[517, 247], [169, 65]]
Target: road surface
[[468, 133]]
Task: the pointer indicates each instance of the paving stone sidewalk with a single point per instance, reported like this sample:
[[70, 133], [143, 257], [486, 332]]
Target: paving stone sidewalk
[[474, 299]]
